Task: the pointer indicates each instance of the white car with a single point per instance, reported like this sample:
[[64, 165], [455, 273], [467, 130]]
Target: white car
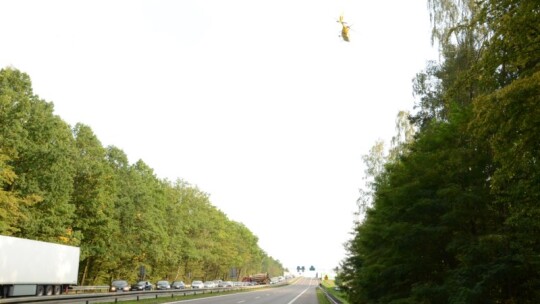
[[226, 284], [210, 284], [197, 284]]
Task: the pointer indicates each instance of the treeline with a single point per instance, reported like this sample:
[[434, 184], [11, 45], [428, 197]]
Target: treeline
[[453, 215], [59, 184]]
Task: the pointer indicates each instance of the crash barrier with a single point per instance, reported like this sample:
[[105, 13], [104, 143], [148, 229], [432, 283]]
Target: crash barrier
[[88, 289], [115, 297], [329, 296]]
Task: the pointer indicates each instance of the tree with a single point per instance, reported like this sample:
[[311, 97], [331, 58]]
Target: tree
[[59, 184], [509, 119], [93, 197], [374, 163], [143, 214], [452, 218], [40, 149], [11, 213]]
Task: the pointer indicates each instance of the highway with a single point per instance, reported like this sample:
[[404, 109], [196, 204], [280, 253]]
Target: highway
[[301, 292]]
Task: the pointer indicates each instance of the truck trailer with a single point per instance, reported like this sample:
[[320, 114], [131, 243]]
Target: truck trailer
[[259, 279], [35, 268]]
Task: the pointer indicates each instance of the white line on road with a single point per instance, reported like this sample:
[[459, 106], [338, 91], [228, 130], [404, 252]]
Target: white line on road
[[298, 296]]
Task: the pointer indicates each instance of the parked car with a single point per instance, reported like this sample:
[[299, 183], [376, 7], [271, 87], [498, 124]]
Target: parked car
[[142, 285], [197, 284], [226, 284], [119, 285], [163, 285], [178, 285], [210, 284]]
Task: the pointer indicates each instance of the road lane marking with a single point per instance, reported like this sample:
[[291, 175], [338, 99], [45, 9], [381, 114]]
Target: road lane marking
[[298, 296]]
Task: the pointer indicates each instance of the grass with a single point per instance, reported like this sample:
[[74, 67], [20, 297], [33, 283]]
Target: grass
[[321, 297], [329, 286], [166, 299]]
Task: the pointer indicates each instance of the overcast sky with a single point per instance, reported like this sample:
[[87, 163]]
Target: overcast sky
[[258, 103]]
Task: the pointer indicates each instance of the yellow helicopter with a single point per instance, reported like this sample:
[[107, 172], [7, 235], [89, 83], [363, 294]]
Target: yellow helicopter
[[344, 28]]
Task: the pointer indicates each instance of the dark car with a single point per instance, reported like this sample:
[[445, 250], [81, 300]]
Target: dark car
[[119, 285], [162, 285], [142, 285], [178, 285]]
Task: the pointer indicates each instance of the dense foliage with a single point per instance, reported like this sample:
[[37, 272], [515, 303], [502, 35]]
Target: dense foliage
[[59, 184], [455, 218]]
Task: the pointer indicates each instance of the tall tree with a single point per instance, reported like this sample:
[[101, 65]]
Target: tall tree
[[510, 121], [122, 245], [452, 220], [41, 152], [11, 203], [93, 198], [61, 185]]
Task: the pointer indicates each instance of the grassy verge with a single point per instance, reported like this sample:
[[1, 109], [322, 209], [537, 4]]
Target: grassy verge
[[329, 286], [321, 297], [166, 299]]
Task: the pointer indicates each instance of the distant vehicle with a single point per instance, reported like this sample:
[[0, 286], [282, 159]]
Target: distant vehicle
[[210, 284], [120, 285], [344, 29], [274, 280], [178, 285], [197, 284], [226, 284], [34, 268], [163, 285], [257, 279], [142, 285]]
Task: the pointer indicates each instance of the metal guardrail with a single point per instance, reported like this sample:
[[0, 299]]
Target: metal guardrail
[[120, 296], [329, 296], [85, 289]]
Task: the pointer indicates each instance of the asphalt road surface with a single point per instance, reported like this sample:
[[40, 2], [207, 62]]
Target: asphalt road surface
[[301, 292]]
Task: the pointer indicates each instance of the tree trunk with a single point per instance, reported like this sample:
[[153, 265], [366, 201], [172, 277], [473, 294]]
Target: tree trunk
[[85, 272]]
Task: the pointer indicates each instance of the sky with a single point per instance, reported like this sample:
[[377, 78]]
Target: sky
[[260, 104]]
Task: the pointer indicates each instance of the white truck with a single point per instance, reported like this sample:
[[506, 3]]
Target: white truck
[[34, 268]]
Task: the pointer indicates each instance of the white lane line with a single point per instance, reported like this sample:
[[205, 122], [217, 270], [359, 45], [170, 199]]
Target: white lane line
[[298, 296], [241, 301]]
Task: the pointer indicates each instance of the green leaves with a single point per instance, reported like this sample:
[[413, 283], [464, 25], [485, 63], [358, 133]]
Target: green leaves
[[455, 218], [11, 202], [40, 150], [60, 184]]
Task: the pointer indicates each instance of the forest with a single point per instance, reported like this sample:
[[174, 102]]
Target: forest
[[59, 184], [451, 213]]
